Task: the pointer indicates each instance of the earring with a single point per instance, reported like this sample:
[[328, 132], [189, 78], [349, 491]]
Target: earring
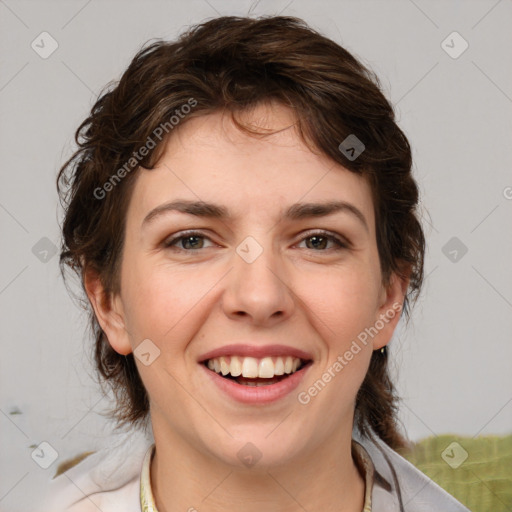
[[383, 350]]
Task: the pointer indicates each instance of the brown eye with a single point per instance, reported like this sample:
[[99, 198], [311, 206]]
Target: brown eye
[[190, 241], [320, 240]]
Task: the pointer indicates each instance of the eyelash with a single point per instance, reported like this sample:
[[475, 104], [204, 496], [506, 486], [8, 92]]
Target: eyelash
[[324, 234]]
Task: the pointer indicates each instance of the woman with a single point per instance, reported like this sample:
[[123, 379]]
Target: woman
[[242, 215]]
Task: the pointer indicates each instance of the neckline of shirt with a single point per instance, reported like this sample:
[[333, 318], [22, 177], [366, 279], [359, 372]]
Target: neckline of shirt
[[361, 458]]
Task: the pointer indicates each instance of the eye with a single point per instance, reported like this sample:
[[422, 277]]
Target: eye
[[194, 240], [319, 240], [190, 240]]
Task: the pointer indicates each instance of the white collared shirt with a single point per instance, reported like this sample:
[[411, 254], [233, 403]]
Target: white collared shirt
[[112, 480], [361, 458]]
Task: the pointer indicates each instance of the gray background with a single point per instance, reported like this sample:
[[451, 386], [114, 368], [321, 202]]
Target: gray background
[[452, 362]]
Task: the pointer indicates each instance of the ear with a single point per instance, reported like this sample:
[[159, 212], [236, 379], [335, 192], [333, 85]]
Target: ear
[[109, 313], [390, 309]]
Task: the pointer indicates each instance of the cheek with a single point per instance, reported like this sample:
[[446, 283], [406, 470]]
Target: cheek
[[160, 303], [342, 302]]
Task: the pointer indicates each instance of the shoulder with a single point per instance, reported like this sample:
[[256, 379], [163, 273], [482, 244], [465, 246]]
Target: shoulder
[[108, 480], [398, 485]]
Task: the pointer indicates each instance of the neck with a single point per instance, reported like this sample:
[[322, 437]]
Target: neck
[[184, 478]]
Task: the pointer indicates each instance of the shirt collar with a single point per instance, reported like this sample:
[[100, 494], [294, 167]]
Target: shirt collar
[[361, 458], [147, 501]]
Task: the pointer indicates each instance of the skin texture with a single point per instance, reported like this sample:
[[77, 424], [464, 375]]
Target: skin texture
[[317, 298]]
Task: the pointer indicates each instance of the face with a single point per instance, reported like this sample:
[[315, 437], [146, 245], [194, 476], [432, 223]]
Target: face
[[259, 279]]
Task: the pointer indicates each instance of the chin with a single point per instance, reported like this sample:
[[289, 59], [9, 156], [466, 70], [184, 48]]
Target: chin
[[255, 449]]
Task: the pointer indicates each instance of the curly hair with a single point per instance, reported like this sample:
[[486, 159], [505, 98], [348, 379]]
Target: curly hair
[[233, 64]]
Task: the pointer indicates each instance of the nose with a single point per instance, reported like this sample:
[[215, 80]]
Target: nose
[[258, 291]]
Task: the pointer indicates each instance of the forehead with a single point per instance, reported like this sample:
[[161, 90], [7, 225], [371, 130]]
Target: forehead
[[210, 159]]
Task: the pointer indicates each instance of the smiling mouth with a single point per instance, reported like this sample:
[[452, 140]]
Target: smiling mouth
[[251, 371]]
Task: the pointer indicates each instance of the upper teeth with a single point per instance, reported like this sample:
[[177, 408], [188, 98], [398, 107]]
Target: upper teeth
[[251, 367]]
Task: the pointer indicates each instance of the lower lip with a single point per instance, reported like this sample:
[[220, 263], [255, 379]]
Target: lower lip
[[258, 394]]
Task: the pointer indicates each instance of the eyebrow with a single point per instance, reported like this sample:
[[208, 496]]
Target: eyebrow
[[296, 211]]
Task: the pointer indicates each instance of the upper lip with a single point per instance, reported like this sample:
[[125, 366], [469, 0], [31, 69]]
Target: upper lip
[[256, 351]]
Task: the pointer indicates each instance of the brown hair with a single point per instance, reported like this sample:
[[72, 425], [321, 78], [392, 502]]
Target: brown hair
[[233, 64]]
